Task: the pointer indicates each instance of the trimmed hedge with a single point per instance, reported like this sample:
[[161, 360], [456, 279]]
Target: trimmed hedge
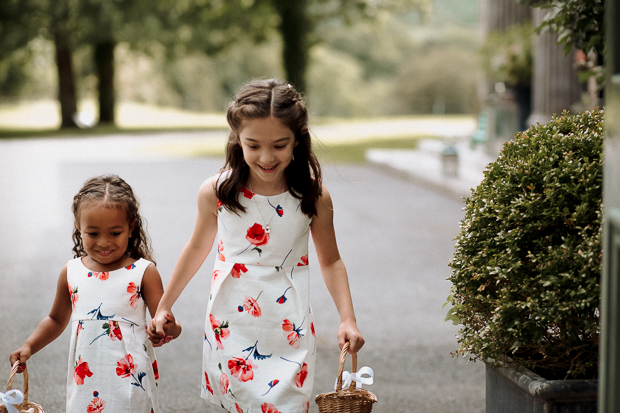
[[527, 264]]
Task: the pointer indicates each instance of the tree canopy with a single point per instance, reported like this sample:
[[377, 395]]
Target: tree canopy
[[579, 23]]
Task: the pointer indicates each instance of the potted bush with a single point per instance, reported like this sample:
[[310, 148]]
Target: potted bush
[[526, 268]]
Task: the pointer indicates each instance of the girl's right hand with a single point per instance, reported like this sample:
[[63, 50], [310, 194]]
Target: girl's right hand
[[22, 354], [156, 331]]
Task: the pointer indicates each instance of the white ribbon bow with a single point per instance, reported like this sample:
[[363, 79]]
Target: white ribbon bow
[[10, 398], [357, 377]]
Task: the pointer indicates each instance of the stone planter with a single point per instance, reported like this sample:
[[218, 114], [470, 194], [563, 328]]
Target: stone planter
[[512, 391]]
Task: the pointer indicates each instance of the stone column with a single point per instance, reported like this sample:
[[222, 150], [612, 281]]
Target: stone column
[[500, 14], [555, 84]]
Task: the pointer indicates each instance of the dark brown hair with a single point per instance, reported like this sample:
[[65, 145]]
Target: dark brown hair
[[261, 99], [114, 192]]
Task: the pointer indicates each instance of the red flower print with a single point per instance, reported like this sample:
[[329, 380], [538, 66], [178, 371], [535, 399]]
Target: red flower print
[[130, 267], [209, 388], [247, 193], [307, 406], [251, 306], [101, 275], [215, 275], [292, 333], [115, 331], [300, 378], [81, 371], [125, 366], [241, 369], [74, 296], [279, 210], [304, 261], [269, 408], [220, 251], [155, 370], [282, 299], [312, 329], [257, 235], [221, 331], [111, 329], [238, 408], [271, 385], [238, 269], [224, 383], [135, 292], [219, 205], [96, 405]]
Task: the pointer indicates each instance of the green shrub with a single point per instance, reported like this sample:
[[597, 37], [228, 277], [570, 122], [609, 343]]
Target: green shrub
[[527, 264]]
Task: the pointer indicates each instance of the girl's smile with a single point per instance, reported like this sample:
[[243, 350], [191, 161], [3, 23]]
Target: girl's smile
[[105, 234], [267, 146]]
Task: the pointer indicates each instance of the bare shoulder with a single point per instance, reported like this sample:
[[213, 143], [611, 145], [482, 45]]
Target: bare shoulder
[[151, 271], [151, 276], [208, 187], [207, 196], [324, 202], [62, 277]]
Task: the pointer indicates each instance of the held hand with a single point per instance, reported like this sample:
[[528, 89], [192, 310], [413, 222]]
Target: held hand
[[172, 328], [162, 328], [348, 331], [22, 354]]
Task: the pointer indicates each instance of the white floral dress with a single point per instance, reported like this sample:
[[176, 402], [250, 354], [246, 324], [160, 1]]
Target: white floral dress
[[259, 341], [112, 366]]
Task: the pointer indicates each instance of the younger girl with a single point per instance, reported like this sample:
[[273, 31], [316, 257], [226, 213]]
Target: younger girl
[[259, 339], [104, 291]]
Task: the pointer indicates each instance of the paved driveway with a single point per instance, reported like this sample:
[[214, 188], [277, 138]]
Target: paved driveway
[[395, 238]]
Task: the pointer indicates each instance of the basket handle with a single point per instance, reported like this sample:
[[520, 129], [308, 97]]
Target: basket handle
[[343, 355], [9, 385]]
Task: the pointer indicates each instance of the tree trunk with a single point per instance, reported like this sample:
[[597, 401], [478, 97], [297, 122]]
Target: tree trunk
[[66, 81], [104, 64], [294, 28]]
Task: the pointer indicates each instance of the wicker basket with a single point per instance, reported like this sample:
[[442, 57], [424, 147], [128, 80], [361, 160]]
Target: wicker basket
[[25, 406], [351, 400]]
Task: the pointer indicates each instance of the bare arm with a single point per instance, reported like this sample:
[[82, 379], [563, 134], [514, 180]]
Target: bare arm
[[192, 256], [50, 327], [152, 291], [334, 272]]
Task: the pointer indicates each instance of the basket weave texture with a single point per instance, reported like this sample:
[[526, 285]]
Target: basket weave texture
[[351, 400], [26, 405]]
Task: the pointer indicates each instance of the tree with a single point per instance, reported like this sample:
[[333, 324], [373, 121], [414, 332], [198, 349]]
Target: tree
[[213, 26], [579, 23], [21, 21], [300, 24], [295, 26]]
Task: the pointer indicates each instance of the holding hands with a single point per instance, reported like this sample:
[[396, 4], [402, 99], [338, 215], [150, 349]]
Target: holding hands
[[163, 328]]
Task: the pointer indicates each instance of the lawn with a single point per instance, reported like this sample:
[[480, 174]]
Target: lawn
[[336, 140]]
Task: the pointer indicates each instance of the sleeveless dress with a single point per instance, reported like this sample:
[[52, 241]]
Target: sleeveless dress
[[112, 365], [259, 341]]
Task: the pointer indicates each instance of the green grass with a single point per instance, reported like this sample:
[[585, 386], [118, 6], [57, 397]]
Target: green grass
[[97, 130], [353, 152]]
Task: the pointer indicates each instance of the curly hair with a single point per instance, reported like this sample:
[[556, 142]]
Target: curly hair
[[260, 99], [114, 192]]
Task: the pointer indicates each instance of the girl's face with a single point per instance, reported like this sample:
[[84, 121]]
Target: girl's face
[[267, 146], [105, 234]]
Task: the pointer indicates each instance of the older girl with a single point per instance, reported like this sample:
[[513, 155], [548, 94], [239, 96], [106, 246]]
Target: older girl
[[259, 340]]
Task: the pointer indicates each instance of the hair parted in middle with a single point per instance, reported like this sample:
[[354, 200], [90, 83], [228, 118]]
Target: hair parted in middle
[[261, 99], [114, 192]]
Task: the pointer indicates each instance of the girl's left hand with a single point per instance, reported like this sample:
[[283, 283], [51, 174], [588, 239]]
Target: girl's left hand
[[171, 330], [348, 331]]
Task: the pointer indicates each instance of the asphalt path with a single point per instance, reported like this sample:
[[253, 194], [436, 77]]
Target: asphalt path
[[396, 239]]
